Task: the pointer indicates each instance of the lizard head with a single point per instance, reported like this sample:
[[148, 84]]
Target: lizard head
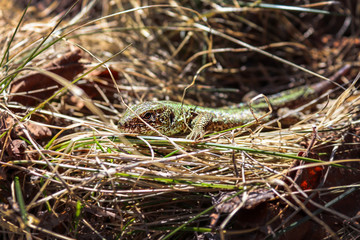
[[154, 114]]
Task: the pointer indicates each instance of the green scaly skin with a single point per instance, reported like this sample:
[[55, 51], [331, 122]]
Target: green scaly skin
[[173, 118]]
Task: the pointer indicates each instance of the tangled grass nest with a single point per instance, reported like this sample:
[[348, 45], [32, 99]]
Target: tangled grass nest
[[71, 69]]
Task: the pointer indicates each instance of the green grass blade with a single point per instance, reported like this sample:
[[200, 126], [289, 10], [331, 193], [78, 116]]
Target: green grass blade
[[20, 201], [6, 54]]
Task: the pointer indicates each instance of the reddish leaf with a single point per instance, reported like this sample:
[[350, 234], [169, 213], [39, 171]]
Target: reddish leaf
[[66, 66]]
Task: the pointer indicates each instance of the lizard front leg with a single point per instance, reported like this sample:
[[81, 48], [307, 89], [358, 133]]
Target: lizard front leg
[[198, 125]]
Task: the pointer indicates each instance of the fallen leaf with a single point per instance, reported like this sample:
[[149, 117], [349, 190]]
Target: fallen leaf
[[35, 88]]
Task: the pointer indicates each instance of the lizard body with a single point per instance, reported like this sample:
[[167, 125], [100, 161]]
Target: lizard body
[[173, 118]]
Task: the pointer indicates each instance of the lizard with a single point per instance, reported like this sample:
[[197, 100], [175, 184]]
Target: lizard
[[174, 118]]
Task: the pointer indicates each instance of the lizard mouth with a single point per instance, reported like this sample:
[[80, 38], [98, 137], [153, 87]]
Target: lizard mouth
[[134, 128]]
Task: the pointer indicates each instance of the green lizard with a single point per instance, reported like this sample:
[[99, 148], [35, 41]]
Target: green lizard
[[174, 118]]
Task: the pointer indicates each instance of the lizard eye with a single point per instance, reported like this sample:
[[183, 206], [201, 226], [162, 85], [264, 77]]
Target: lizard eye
[[147, 116]]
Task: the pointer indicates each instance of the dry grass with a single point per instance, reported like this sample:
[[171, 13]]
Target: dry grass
[[68, 173]]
